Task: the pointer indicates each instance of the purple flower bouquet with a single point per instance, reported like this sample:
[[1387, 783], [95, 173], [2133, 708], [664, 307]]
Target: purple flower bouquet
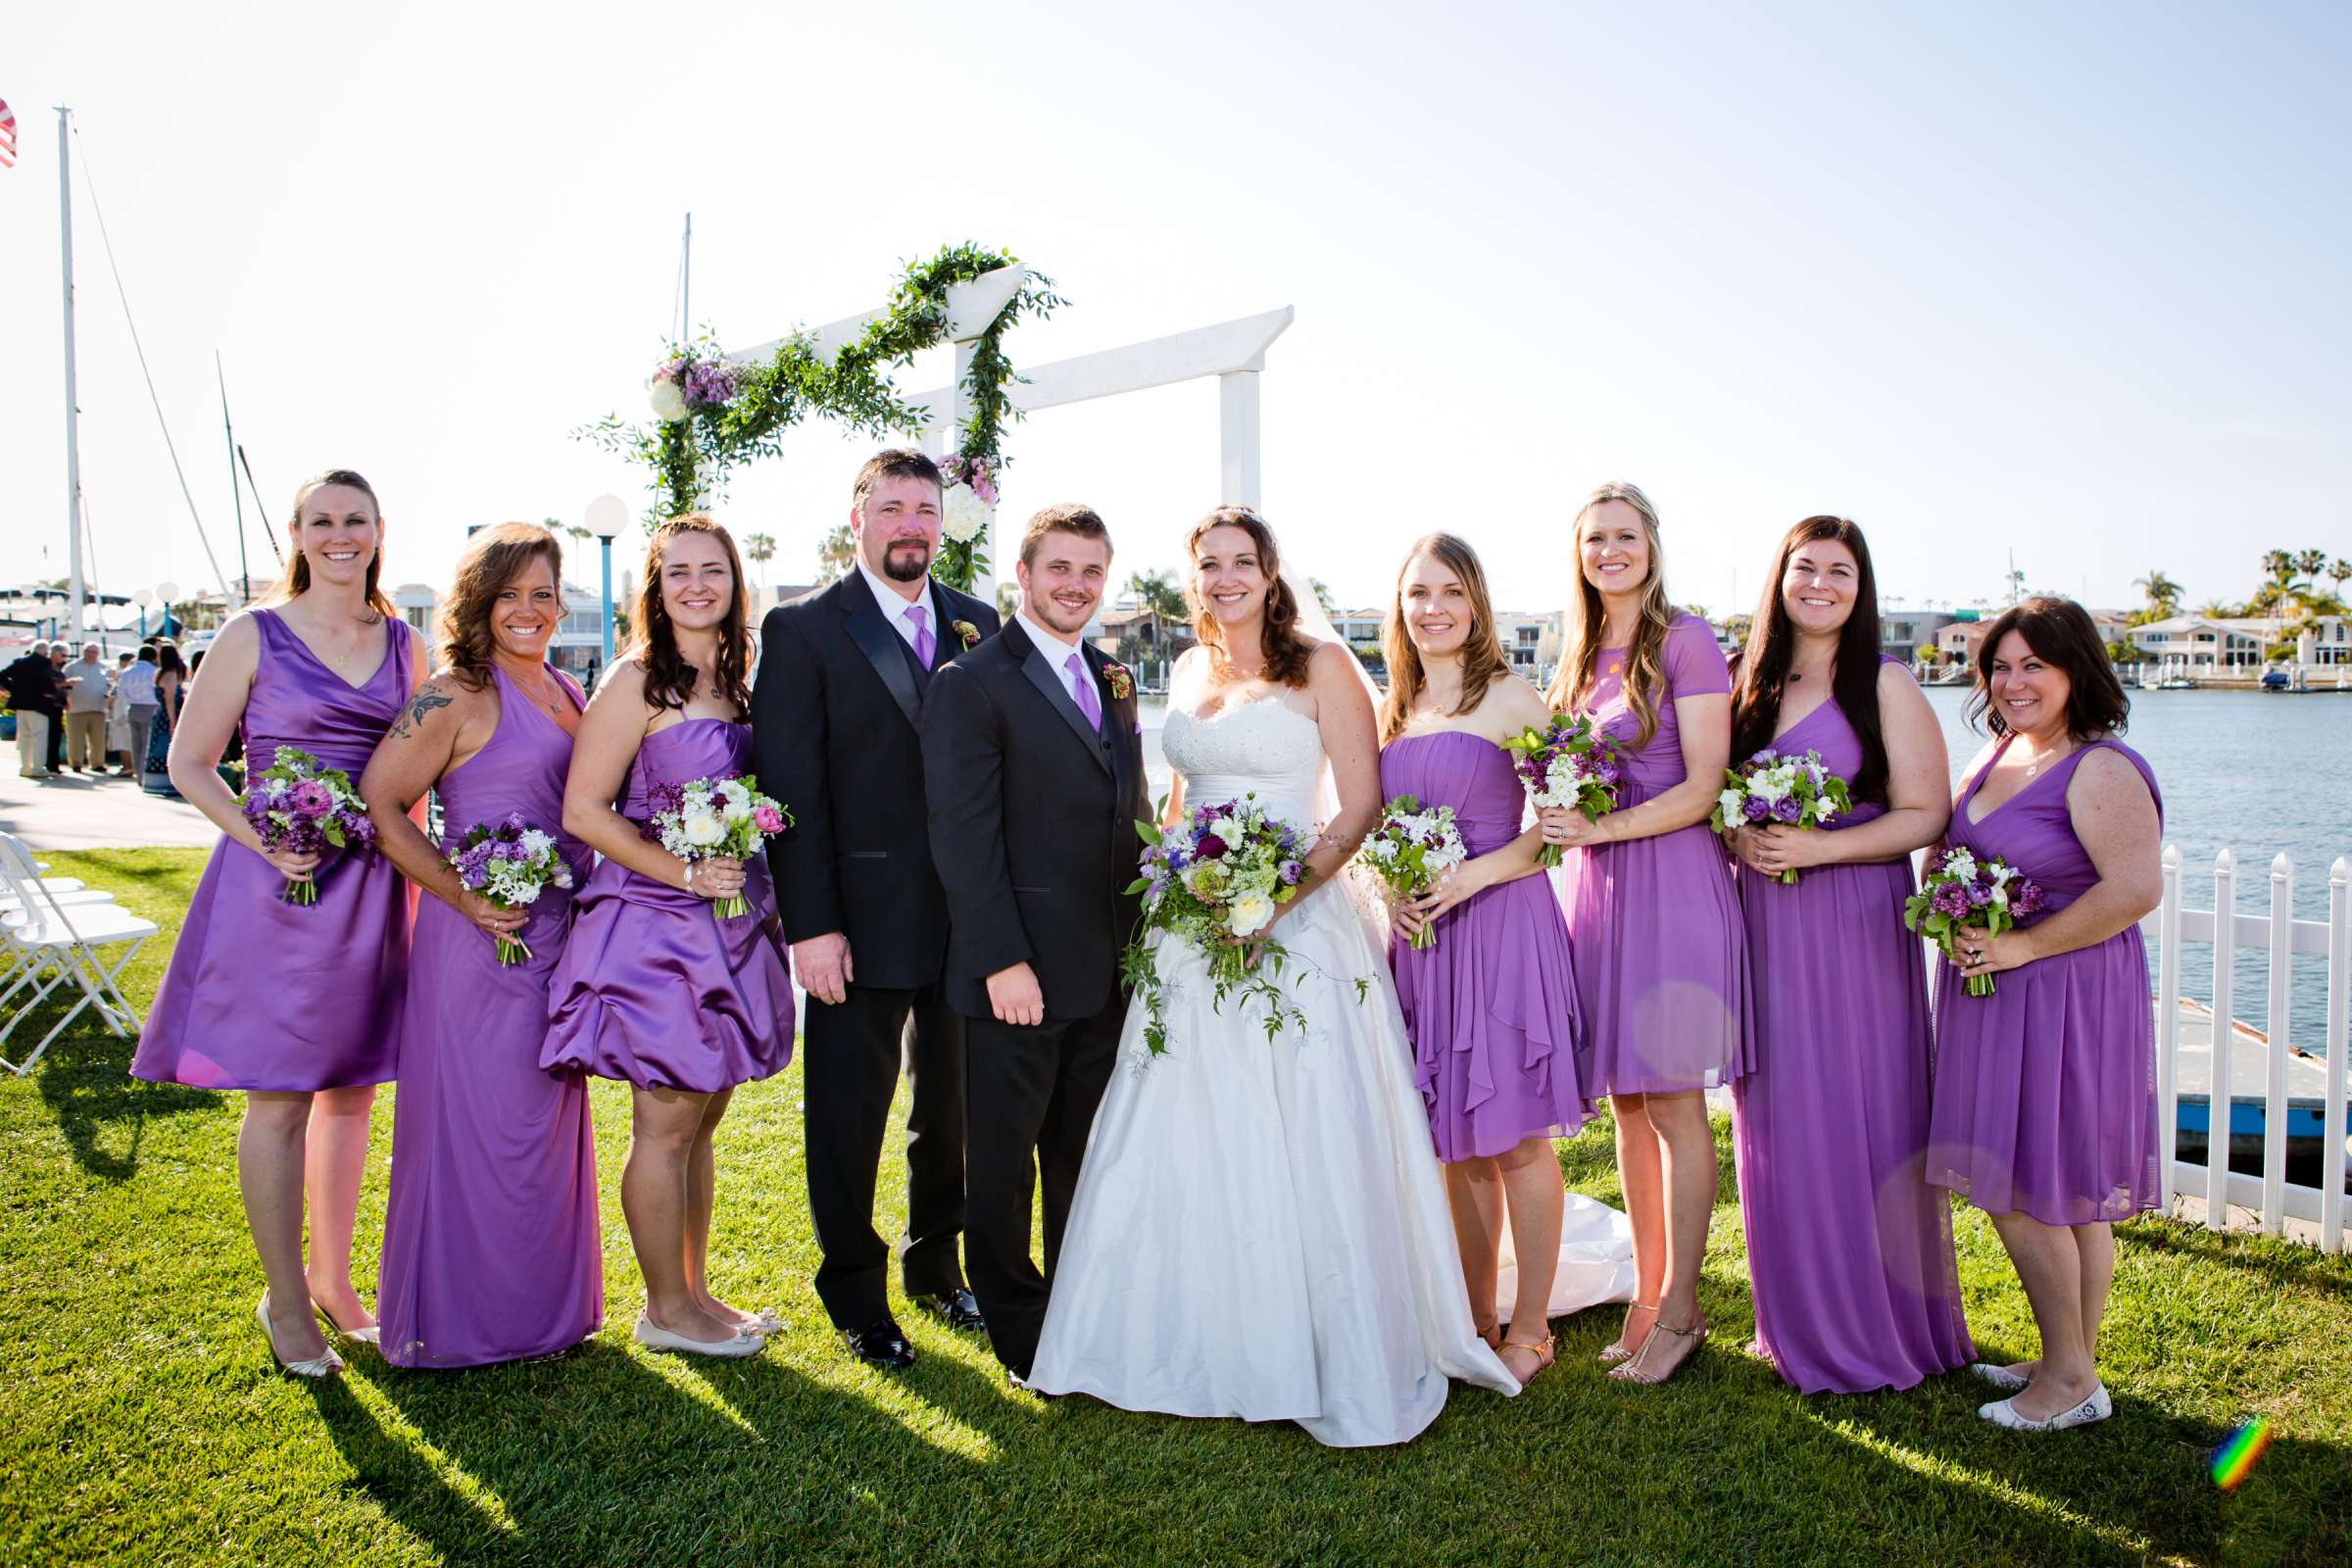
[[297, 805]]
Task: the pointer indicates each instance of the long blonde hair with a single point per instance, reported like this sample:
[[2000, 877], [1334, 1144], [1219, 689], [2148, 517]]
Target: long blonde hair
[[1588, 623], [1483, 660]]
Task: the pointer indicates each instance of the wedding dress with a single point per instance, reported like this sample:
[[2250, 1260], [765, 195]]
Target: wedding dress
[[1261, 1229]]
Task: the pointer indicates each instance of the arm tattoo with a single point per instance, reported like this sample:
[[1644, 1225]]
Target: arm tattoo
[[424, 703]]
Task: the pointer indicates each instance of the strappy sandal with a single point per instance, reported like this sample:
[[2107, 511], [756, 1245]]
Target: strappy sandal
[[1541, 1349], [1634, 1371], [1611, 1354], [1491, 1334]]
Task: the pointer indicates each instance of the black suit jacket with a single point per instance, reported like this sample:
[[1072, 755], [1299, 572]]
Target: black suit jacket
[[1033, 824], [835, 725]]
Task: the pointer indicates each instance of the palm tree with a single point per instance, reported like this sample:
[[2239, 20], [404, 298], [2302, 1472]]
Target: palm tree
[[760, 549], [1160, 596], [2163, 594], [2309, 563], [835, 554]]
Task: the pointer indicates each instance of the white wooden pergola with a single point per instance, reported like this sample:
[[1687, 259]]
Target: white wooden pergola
[[1234, 352]]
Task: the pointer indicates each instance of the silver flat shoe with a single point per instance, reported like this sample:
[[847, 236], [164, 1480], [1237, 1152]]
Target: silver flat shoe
[[748, 1340], [2003, 1413], [317, 1366], [2000, 1376]]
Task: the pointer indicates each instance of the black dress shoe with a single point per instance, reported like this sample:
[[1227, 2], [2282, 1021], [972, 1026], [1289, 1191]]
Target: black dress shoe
[[957, 1309], [883, 1344]]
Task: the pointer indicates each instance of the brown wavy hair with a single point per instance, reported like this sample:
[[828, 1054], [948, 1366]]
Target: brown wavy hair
[[668, 677], [1588, 622], [494, 557], [1761, 679], [1481, 656], [2063, 635], [1287, 650], [297, 579]]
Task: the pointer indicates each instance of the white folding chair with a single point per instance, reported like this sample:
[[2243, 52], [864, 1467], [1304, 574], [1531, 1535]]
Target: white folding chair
[[51, 941]]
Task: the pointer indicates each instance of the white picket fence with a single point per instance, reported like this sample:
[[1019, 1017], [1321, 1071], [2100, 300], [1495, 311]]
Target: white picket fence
[[2280, 935]]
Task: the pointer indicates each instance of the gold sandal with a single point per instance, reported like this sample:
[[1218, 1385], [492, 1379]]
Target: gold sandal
[[1611, 1354], [1633, 1372], [1541, 1349]]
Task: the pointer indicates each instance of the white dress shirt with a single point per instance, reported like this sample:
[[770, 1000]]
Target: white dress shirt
[[895, 605], [1058, 650]]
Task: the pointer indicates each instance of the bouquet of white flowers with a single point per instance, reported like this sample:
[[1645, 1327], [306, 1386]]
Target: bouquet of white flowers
[[710, 819], [510, 863], [1798, 791], [1411, 849], [1215, 880]]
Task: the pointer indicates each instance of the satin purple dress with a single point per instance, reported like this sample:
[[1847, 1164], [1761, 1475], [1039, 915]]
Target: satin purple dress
[[2045, 1090], [1491, 1010], [1661, 964], [263, 994], [1849, 1251], [493, 1249], [654, 987]]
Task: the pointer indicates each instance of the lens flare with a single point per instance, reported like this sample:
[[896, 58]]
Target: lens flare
[[2234, 1457]]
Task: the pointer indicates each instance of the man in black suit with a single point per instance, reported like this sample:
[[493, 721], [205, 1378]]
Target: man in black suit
[[844, 675], [1035, 770]]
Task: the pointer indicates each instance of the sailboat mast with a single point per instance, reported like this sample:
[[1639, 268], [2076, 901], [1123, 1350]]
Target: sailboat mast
[[65, 232], [228, 429]]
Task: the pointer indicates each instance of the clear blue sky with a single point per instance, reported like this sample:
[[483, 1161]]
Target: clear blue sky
[[2068, 280]]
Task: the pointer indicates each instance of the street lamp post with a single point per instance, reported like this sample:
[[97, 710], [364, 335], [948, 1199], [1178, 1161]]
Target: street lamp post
[[164, 593], [606, 515]]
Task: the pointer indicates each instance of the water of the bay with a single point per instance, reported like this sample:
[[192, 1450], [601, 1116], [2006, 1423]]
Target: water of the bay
[[2261, 774]]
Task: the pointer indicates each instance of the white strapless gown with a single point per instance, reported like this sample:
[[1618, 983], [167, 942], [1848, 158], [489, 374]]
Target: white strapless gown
[[1260, 1228]]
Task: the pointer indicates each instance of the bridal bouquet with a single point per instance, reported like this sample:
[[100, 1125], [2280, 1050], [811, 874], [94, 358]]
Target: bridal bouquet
[[1569, 762], [1215, 881], [1411, 849], [1961, 892], [710, 818], [510, 863], [1769, 788], [297, 805]]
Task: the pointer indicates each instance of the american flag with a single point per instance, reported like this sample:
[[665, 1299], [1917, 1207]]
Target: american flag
[[8, 136]]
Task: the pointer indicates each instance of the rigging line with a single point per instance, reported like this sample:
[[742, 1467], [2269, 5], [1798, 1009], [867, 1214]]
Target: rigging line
[[90, 184], [262, 508]]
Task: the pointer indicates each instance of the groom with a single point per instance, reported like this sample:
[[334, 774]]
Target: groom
[[1034, 767]]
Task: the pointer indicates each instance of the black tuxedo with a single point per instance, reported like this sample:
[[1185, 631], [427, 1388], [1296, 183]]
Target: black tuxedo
[[1033, 815], [834, 719]]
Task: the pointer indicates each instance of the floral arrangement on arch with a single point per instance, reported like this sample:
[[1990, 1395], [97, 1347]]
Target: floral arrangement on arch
[[711, 413]]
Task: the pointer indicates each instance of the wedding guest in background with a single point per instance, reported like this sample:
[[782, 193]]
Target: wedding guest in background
[[493, 1249], [2045, 1090], [59, 657], [1660, 956], [118, 713], [85, 683], [1849, 1251], [654, 987], [137, 689], [844, 674], [171, 685], [31, 683], [1490, 1008], [296, 1005]]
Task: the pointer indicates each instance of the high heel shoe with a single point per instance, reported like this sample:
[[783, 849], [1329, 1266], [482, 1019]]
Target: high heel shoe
[[1542, 1349], [1611, 1354], [1637, 1369], [372, 1334], [317, 1366], [1491, 1334]]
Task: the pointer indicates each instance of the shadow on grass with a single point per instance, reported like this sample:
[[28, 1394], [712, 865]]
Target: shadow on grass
[[2281, 1262], [85, 1082]]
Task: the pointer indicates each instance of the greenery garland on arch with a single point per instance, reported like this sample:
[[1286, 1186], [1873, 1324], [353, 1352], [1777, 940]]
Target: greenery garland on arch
[[712, 412]]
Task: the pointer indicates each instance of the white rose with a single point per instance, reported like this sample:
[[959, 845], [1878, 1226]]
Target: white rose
[[668, 400], [1729, 802], [1251, 912], [703, 830], [964, 517]]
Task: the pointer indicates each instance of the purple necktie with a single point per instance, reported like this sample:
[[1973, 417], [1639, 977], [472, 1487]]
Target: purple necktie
[[924, 645], [1082, 687]]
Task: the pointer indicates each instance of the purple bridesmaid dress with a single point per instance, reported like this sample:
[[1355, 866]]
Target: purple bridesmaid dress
[[655, 988], [2045, 1090], [263, 994], [493, 1250], [1849, 1251], [1661, 968], [1491, 1010]]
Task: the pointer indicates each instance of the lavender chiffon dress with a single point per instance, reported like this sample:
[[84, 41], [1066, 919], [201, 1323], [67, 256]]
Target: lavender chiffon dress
[[1661, 964], [2045, 1090], [653, 986], [266, 995], [1849, 1251], [493, 1249]]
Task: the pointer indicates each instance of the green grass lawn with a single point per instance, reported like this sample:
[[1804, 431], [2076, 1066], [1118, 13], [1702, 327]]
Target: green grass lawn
[[140, 1420]]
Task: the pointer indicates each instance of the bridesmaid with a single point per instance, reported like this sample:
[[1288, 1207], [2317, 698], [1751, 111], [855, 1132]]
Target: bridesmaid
[[1661, 968], [1490, 1010], [653, 987], [2045, 1092], [493, 1250], [1849, 1251], [299, 1005]]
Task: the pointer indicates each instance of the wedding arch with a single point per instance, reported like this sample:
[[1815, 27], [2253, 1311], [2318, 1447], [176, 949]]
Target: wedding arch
[[715, 409]]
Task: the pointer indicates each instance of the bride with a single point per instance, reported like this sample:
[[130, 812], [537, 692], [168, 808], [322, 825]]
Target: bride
[[1261, 1229]]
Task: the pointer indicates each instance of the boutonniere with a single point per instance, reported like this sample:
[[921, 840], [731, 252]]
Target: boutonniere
[[1122, 684], [967, 631]]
